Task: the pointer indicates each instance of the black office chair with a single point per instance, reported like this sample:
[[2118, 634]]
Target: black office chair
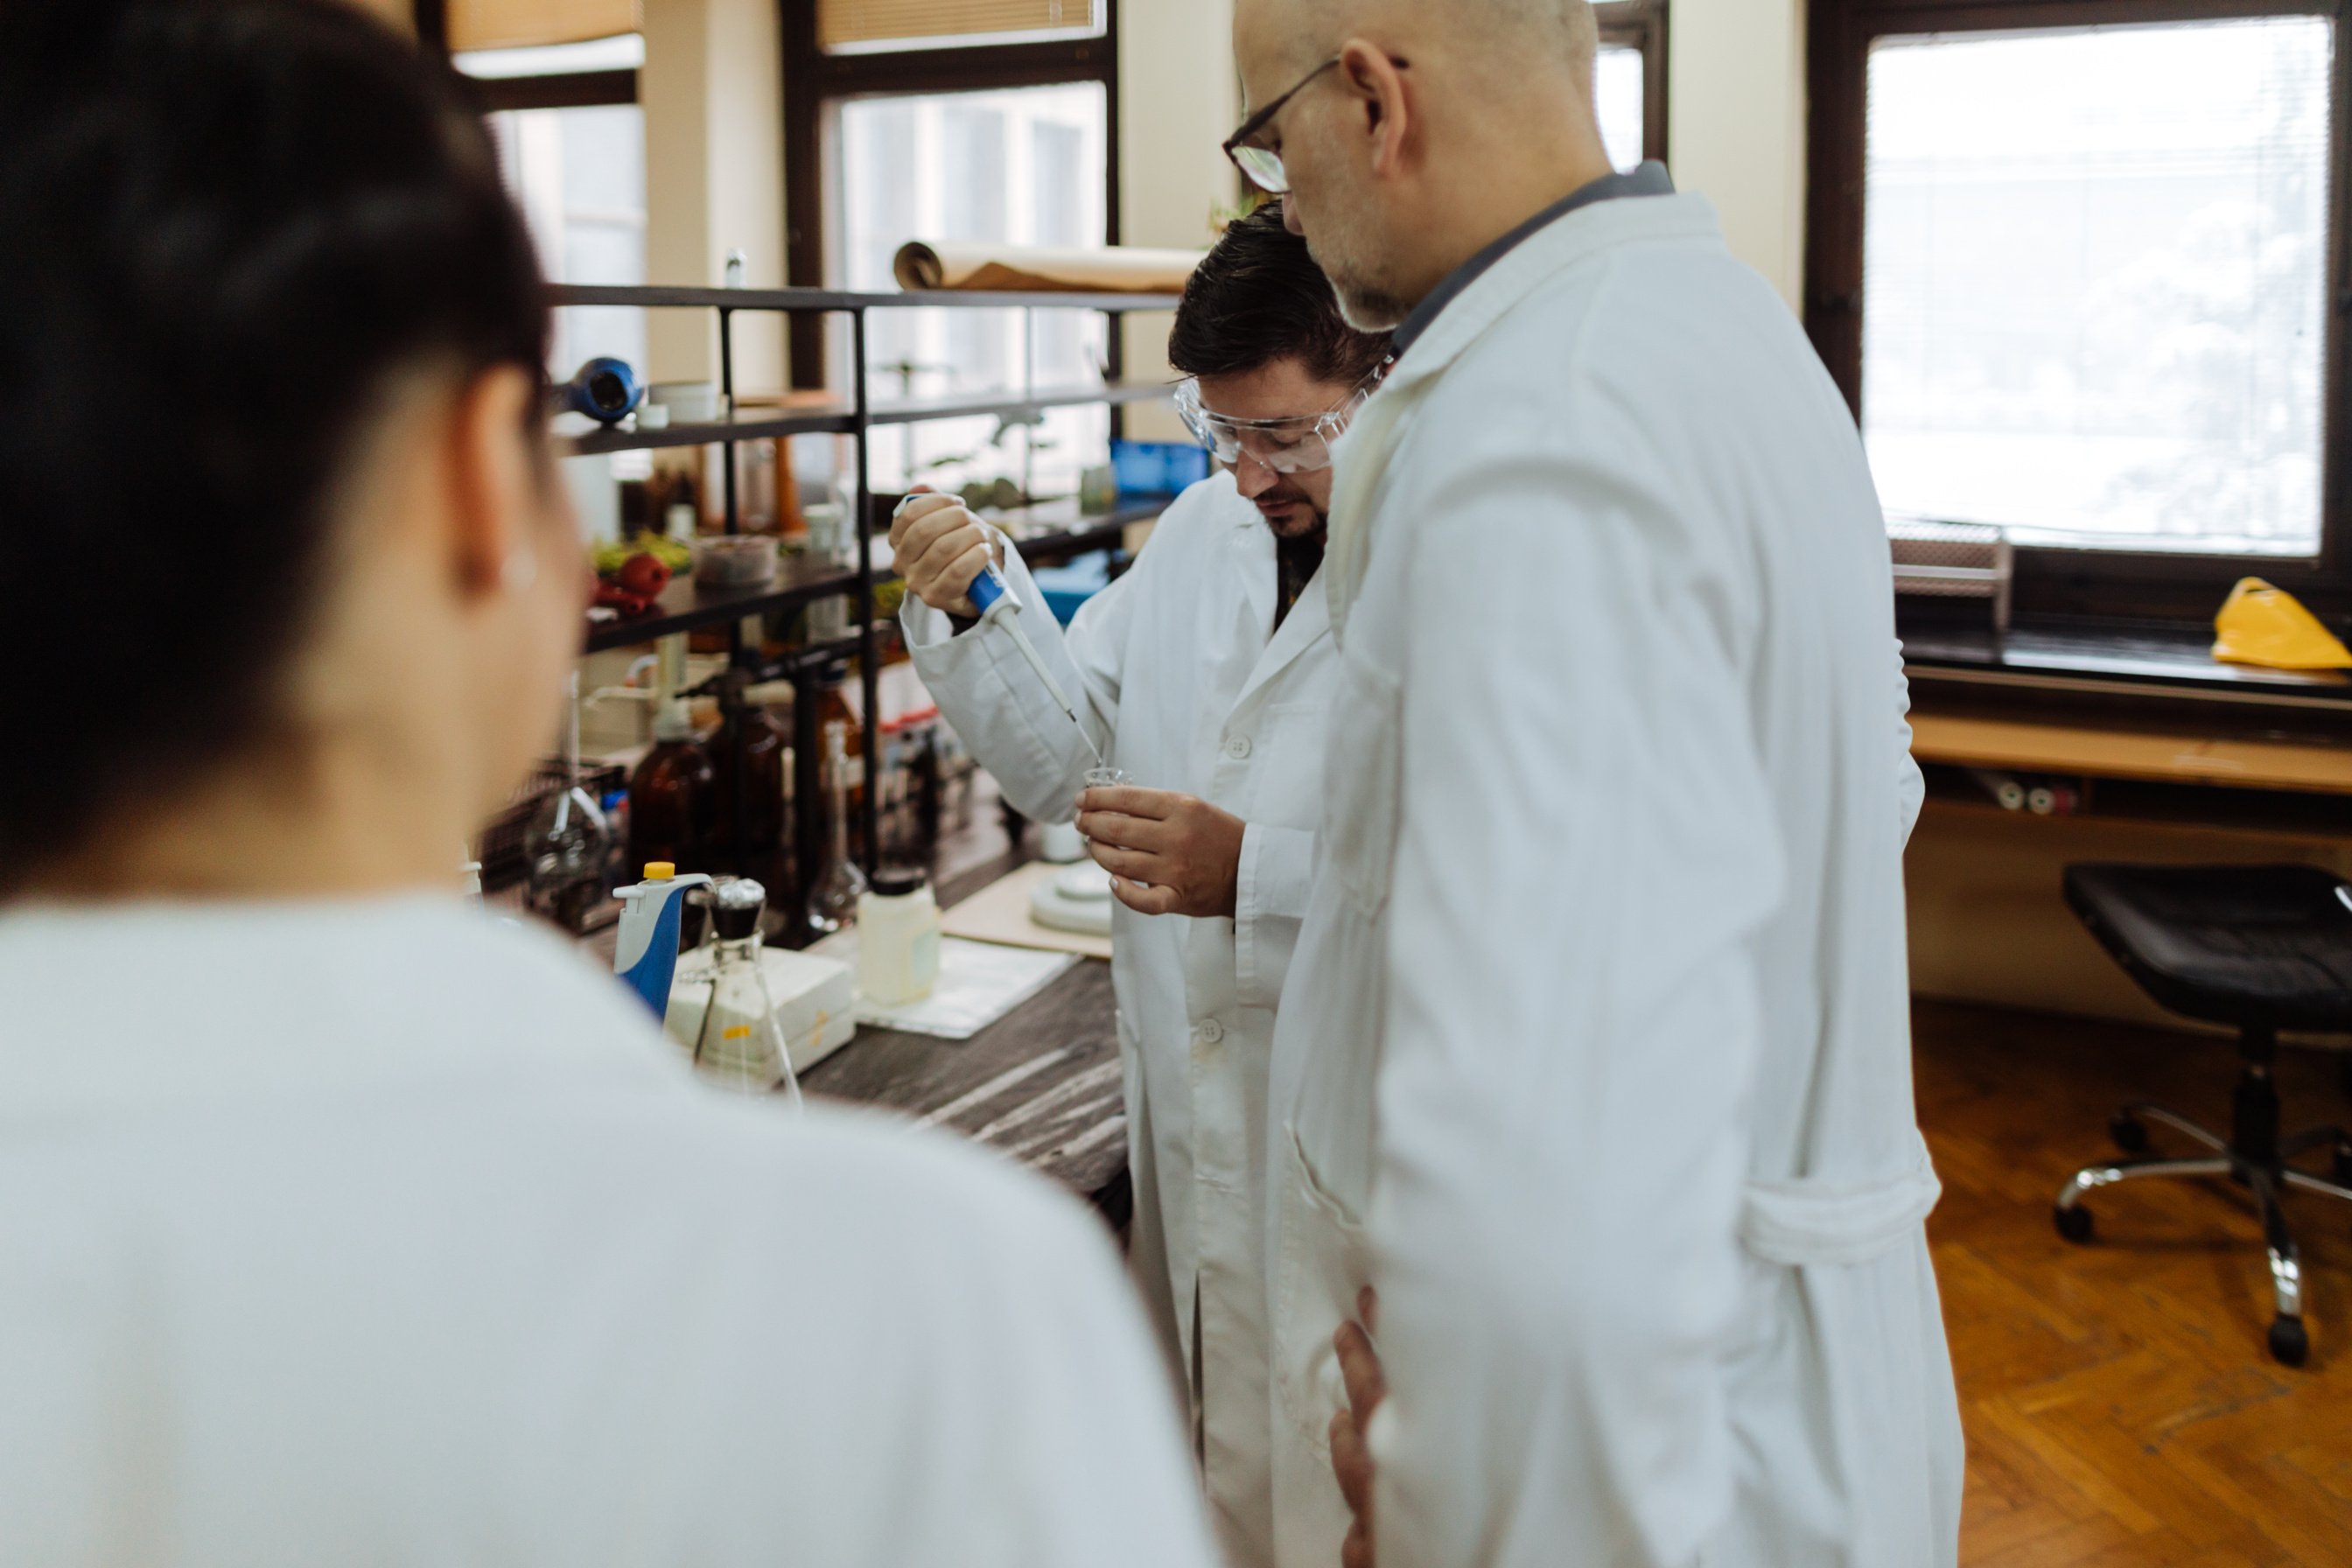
[[2262, 948]]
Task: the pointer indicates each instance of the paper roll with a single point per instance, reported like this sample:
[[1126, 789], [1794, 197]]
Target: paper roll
[[1013, 269]]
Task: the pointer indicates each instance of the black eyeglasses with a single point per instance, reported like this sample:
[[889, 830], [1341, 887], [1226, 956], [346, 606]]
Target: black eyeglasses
[[1261, 166]]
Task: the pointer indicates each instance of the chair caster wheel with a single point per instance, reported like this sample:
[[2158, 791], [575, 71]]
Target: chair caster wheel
[[2129, 1132], [2289, 1344], [2074, 1224]]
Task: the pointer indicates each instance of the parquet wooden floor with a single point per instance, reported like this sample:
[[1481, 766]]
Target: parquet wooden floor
[[2120, 1407]]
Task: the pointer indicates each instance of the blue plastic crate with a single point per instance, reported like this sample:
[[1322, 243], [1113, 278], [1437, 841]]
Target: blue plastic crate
[[1157, 467], [1073, 582]]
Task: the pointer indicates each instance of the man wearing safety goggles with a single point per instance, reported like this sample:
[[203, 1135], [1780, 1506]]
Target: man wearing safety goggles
[[1205, 674]]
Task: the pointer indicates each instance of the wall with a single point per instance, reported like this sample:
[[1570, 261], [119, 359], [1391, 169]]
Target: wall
[[1736, 125], [713, 88], [1988, 923], [1172, 171]]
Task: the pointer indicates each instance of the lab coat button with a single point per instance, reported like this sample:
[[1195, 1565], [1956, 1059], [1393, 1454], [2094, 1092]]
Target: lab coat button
[[1238, 747], [1208, 1032]]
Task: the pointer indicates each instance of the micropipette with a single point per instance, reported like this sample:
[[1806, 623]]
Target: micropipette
[[993, 596]]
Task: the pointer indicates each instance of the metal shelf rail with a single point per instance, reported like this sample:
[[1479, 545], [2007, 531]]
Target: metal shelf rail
[[685, 608]]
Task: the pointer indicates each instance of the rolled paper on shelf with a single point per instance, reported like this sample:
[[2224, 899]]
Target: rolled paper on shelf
[[1018, 268]]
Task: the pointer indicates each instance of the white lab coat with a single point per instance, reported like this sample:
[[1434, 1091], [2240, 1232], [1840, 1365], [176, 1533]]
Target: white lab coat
[[372, 1231], [1611, 909], [1185, 683]]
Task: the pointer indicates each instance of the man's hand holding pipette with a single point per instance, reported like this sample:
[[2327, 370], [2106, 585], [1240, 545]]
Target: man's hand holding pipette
[[950, 561], [940, 548]]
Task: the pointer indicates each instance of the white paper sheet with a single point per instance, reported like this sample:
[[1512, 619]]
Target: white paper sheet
[[979, 983]]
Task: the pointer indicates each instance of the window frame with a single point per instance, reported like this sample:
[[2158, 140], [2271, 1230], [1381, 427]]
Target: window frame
[[1641, 24], [2073, 581], [814, 81]]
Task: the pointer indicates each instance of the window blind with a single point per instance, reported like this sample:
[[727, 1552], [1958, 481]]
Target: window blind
[[855, 24], [525, 23], [400, 14]]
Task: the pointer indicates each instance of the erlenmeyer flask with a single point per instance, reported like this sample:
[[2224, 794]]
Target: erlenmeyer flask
[[741, 1044]]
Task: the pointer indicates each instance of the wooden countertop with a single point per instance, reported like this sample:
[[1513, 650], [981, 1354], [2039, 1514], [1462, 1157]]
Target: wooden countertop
[[1971, 740], [1041, 1085]]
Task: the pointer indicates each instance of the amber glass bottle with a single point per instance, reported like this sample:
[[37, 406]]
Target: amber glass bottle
[[750, 746], [672, 798]]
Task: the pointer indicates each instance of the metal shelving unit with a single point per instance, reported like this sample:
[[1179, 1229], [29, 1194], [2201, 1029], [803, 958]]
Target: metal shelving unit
[[683, 608], [687, 608]]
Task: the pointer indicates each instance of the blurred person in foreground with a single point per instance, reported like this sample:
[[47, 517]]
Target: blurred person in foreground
[[346, 1223], [1611, 908]]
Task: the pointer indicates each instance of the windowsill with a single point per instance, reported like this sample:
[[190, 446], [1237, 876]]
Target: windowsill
[[2159, 671]]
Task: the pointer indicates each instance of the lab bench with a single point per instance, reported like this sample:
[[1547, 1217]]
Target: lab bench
[[2143, 749], [1041, 1085]]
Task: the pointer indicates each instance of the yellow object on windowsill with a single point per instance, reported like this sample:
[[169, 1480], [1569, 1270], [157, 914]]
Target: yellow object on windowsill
[[2269, 626]]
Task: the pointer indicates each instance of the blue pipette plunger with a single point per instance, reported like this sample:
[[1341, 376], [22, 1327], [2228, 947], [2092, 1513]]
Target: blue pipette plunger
[[992, 595]]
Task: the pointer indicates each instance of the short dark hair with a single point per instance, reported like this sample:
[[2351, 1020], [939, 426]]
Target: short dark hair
[[232, 226], [1260, 297]]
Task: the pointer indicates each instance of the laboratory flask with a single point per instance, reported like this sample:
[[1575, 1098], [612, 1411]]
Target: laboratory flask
[[741, 1044], [834, 895]]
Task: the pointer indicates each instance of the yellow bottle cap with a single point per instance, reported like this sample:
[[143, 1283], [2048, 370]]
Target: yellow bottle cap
[[660, 870]]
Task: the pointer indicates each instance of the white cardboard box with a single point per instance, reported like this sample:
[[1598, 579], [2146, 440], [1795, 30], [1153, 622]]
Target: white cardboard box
[[815, 1000]]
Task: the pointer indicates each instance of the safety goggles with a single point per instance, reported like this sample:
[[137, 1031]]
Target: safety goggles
[[1299, 444]]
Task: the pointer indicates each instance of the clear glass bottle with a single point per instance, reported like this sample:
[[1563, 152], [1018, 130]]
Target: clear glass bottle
[[833, 897], [742, 1045]]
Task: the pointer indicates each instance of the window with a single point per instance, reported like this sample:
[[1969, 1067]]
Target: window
[[1617, 99], [579, 175], [560, 80], [1629, 81], [990, 120], [1025, 166], [2076, 277]]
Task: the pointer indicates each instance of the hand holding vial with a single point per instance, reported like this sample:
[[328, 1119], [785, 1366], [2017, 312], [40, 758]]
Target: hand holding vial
[[1168, 854]]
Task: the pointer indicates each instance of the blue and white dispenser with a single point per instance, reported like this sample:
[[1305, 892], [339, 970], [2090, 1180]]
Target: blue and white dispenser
[[644, 952]]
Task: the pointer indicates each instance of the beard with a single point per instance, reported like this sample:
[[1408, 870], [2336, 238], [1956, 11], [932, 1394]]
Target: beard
[[1304, 520]]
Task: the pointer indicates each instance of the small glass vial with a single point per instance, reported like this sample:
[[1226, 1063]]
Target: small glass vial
[[741, 1043], [1104, 778], [898, 938]]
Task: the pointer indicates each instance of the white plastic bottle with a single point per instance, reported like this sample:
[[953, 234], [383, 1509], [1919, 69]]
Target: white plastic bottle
[[898, 938]]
